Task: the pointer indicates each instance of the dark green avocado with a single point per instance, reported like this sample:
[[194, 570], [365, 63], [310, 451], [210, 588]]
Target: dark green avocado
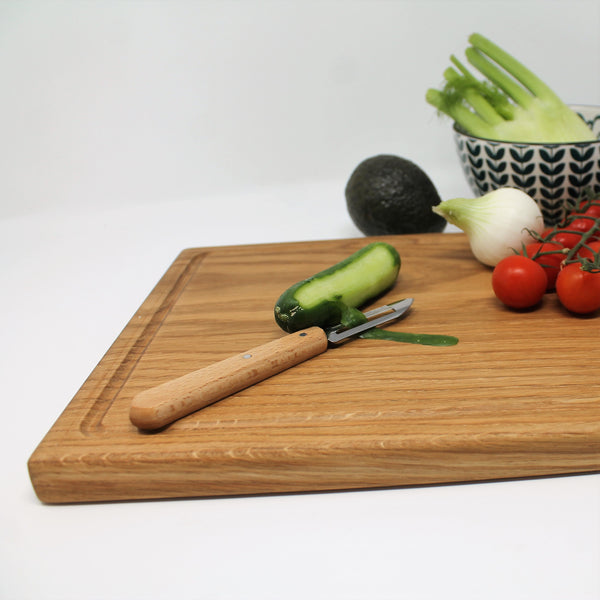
[[389, 195]]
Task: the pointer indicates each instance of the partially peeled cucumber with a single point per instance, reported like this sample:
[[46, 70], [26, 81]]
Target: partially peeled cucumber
[[332, 296]]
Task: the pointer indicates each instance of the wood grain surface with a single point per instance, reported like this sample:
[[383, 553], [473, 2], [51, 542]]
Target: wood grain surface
[[518, 396]]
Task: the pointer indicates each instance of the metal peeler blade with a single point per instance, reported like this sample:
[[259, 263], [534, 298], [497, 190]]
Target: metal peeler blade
[[389, 313]]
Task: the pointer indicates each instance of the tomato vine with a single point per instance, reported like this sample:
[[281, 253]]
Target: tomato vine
[[569, 254]]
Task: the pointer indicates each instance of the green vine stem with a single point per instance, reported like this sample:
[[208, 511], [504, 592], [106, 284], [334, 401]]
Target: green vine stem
[[571, 256]]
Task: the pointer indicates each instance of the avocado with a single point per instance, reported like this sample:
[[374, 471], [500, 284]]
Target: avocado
[[389, 195]]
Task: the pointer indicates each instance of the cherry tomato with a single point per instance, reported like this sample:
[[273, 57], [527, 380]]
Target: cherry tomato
[[588, 253], [592, 211], [581, 224], [519, 282], [551, 262], [578, 290], [568, 240]]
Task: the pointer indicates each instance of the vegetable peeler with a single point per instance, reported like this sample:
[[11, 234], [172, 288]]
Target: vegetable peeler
[[161, 405]]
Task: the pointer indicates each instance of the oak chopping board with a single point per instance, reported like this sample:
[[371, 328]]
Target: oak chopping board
[[518, 396]]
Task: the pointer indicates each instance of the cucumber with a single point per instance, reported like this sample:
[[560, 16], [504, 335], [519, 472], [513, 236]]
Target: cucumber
[[331, 296]]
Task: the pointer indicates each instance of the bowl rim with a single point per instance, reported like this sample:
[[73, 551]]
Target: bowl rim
[[576, 107]]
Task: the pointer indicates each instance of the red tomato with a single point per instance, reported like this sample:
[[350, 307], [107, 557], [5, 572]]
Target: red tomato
[[568, 240], [581, 224], [519, 282], [550, 256], [593, 211], [578, 290], [588, 253]]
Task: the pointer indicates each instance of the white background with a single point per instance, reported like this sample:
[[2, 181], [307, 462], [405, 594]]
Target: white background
[[131, 130]]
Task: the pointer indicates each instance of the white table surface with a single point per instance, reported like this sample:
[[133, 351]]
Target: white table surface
[[71, 282], [131, 130]]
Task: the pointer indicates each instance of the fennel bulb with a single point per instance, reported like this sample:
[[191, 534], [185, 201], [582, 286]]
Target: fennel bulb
[[511, 105], [496, 224]]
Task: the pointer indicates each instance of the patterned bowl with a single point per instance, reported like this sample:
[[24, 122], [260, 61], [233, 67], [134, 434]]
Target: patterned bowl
[[554, 175]]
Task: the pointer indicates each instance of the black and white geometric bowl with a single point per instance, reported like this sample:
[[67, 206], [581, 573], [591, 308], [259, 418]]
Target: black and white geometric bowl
[[552, 174]]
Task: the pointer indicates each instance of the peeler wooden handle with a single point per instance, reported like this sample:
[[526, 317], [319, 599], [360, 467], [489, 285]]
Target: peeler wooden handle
[[161, 405]]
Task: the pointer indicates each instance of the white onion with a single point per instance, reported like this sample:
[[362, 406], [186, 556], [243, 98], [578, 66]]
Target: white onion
[[496, 224]]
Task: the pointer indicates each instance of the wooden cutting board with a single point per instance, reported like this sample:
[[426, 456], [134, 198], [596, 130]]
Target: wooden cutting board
[[518, 396]]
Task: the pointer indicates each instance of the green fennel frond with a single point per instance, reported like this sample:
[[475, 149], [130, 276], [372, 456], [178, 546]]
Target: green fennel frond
[[510, 104]]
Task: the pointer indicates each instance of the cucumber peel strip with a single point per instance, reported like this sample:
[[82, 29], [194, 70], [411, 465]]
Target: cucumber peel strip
[[353, 317], [424, 339]]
